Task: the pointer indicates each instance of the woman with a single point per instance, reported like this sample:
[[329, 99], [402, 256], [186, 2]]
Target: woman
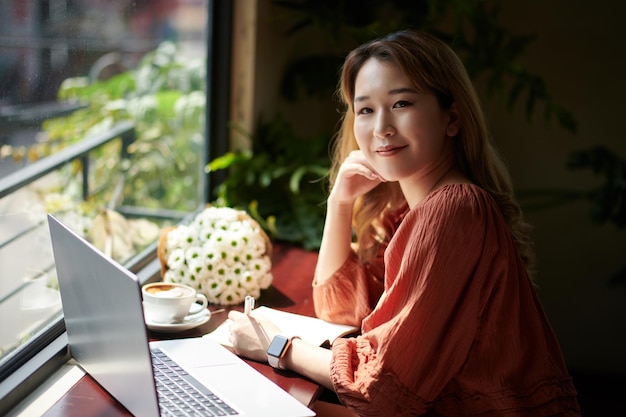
[[438, 276]]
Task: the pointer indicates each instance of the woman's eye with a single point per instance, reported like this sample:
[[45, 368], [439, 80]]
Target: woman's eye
[[402, 103], [364, 110]]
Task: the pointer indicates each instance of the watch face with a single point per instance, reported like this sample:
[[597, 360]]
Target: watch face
[[277, 346]]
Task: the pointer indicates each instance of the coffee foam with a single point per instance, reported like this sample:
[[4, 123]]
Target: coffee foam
[[166, 291], [171, 293]]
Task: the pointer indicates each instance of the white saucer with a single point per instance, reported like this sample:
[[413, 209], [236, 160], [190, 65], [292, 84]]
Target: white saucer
[[179, 327]]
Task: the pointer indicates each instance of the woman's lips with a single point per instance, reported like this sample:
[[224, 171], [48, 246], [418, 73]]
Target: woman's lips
[[389, 150]]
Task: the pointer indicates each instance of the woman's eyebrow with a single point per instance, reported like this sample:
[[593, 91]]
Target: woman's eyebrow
[[403, 90], [390, 92]]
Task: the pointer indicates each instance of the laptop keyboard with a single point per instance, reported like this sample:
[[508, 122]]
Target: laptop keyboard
[[180, 394]]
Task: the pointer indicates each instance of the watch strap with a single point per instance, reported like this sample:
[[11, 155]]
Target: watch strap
[[274, 362]]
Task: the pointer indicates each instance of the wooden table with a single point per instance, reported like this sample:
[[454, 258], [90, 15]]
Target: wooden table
[[291, 291]]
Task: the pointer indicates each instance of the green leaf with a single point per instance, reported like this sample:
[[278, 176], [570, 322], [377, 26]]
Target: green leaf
[[294, 181], [226, 161]]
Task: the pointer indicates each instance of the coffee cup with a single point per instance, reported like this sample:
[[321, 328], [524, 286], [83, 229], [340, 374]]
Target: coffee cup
[[165, 302]]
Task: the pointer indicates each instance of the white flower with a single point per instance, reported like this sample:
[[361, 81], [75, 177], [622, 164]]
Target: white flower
[[197, 270], [266, 281], [176, 258], [232, 295], [248, 281], [192, 253], [222, 253], [177, 237], [170, 276]]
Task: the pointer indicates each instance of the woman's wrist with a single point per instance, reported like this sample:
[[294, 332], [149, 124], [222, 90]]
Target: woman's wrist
[[335, 202], [310, 361], [288, 359], [339, 213], [336, 240]]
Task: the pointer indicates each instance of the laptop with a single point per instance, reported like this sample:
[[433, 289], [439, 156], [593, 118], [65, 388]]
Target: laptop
[[107, 335]]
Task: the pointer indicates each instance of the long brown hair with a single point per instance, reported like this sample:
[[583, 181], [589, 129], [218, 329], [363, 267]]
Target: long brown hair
[[434, 67]]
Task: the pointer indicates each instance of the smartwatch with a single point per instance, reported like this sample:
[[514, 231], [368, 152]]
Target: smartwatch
[[278, 349]]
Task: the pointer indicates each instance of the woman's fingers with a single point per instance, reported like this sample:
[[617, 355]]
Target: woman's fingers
[[356, 164], [250, 336], [363, 171], [235, 315], [355, 178]]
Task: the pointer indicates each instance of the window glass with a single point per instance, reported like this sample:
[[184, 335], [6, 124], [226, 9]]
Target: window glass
[[126, 77]]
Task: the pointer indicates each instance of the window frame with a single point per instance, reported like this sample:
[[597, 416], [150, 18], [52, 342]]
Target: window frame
[[44, 354]]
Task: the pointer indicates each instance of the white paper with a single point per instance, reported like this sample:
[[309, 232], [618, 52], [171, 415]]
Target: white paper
[[309, 329]]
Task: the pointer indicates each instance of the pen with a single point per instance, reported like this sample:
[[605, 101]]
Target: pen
[[248, 304]]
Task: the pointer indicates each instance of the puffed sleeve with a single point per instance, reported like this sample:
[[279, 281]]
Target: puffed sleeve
[[419, 334], [351, 293]]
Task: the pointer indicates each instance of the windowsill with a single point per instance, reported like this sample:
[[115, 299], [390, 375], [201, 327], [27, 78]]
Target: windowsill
[[28, 377], [49, 392]]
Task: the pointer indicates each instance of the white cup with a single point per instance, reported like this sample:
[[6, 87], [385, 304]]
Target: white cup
[[165, 302]]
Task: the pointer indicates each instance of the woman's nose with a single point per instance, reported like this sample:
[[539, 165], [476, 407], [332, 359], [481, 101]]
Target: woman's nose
[[384, 127]]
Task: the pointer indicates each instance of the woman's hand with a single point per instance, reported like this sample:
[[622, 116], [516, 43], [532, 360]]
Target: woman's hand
[[251, 336], [355, 178]]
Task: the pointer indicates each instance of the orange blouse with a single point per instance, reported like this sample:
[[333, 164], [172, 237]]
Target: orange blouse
[[458, 329]]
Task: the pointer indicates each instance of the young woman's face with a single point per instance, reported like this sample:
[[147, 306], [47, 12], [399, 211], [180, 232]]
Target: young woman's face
[[402, 132]]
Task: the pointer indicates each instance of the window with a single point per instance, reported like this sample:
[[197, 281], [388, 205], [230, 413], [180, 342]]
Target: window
[[103, 122]]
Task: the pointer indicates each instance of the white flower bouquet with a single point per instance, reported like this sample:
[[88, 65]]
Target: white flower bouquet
[[223, 253]]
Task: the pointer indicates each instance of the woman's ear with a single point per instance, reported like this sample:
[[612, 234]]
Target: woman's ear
[[454, 121]]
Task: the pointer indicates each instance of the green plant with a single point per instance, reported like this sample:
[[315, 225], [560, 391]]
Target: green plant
[[278, 182], [164, 98]]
